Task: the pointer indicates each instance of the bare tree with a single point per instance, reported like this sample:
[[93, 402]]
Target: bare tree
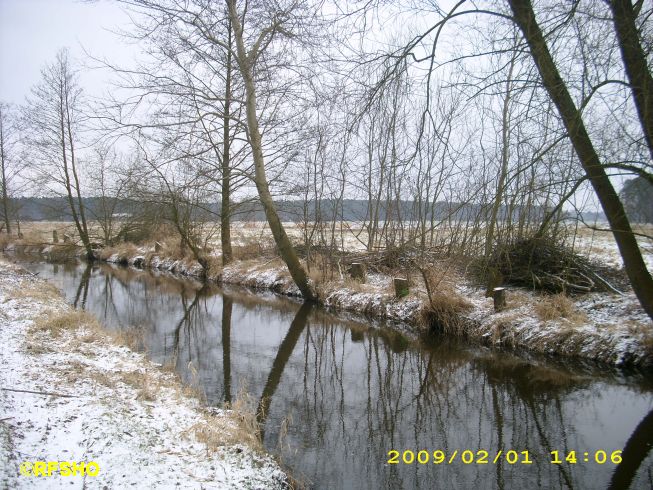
[[53, 117], [109, 188], [9, 166], [191, 67], [278, 23], [565, 45], [572, 117]]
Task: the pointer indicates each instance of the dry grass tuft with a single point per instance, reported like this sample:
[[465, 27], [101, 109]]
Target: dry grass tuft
[[239, 426], [4, 240], [444, 311], [558, 306], [76, 372], [41, 291], [445, 306], [254, 247], [146, 386], [57, 322], [133, 337]]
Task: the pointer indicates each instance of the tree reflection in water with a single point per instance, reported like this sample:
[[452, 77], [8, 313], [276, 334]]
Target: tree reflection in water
[[227, 307], [286, 349]]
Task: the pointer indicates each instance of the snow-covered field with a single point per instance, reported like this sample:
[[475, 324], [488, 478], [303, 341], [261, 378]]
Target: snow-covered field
[[601, 247], [75, 395]]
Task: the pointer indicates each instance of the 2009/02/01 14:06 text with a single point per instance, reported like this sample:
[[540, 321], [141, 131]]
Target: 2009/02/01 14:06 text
[[482, 456]]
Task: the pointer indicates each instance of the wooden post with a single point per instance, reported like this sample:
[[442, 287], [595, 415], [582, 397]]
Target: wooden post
[[499, 296], [401, 287], [357, 271], [55, 236]]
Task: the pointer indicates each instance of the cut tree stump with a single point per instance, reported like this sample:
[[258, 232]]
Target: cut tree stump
[[66, 238], [499, 296], [55, 236], [357, 271], [158, 247], [401, 287]]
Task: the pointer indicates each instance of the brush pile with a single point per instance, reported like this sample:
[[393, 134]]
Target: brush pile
[[541, 264], [387, 260]]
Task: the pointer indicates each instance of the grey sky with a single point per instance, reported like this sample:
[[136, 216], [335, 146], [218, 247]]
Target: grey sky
[[32, 31]]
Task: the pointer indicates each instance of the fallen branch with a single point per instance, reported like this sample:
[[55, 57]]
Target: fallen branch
[[48, 393], [606, 284], [21, 272]]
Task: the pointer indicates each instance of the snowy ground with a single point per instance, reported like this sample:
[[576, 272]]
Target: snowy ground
[[99, 401]]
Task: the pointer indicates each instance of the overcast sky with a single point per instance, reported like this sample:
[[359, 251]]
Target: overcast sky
[[32, 31]]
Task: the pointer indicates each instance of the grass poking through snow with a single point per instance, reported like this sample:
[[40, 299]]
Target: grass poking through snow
[[558, 306]]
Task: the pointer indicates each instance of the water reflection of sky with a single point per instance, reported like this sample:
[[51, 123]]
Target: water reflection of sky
[[339, 395]]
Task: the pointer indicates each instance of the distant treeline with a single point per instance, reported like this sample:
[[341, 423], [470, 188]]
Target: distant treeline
[[57, 209]]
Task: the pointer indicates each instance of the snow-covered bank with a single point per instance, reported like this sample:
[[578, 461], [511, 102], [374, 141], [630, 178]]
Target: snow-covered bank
[[70, 393], [600, 327]]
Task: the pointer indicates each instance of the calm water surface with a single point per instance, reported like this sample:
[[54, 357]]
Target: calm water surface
[[337, 395]]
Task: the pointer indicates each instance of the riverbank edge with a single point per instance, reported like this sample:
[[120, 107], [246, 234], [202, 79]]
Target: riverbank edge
[[92, 398], [605, 336]]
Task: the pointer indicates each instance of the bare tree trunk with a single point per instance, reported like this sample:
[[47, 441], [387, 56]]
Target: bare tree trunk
[[505, 156], [3, 168], [635, 63], [225, 208], [81, 226], [64, 159], [284, 245], [639, 276]]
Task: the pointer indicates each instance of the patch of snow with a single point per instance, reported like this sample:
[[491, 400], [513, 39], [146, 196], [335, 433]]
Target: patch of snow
[[137, 443]]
